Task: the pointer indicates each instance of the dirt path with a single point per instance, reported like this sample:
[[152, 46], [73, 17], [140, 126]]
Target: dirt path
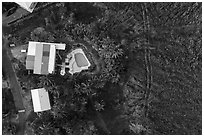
[[20, 12], [15, 87], [7, 64]]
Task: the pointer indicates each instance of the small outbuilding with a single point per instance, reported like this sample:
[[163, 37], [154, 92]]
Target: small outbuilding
[[41, 101]]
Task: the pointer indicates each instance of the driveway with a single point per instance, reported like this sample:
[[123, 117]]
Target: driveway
[[20, 12], [15, 87]]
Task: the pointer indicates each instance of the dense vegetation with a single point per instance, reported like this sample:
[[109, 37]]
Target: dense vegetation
[[146, 74], [9, 6]]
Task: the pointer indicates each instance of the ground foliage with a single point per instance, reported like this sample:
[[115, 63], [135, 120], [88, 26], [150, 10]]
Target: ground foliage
[[8, 112], [148, 57]]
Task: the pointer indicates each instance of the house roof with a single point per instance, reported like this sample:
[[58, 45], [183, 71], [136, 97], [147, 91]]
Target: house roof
[[40, 99], [31, 48], [30, 62], [41, 57], [29, 6]]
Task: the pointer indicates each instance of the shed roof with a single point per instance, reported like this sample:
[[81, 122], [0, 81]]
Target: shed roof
[[41, 101]]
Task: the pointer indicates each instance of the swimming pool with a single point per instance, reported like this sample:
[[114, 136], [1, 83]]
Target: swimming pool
[[80, 60]]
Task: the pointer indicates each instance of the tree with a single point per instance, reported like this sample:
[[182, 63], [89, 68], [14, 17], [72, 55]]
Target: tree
[[171, 71], [40, 35], [8, 111]]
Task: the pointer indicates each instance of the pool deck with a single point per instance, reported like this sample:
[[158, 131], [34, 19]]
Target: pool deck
[[74, 68]]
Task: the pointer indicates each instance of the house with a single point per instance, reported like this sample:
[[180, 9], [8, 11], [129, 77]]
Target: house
[[40, 99], [29, 6], [41, 57], [78, 61]]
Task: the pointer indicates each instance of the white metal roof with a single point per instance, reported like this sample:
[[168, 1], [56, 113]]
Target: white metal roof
[[36, 48], [60, 46], [51, 63], [41, 101], [26, 5], [31, 48]]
